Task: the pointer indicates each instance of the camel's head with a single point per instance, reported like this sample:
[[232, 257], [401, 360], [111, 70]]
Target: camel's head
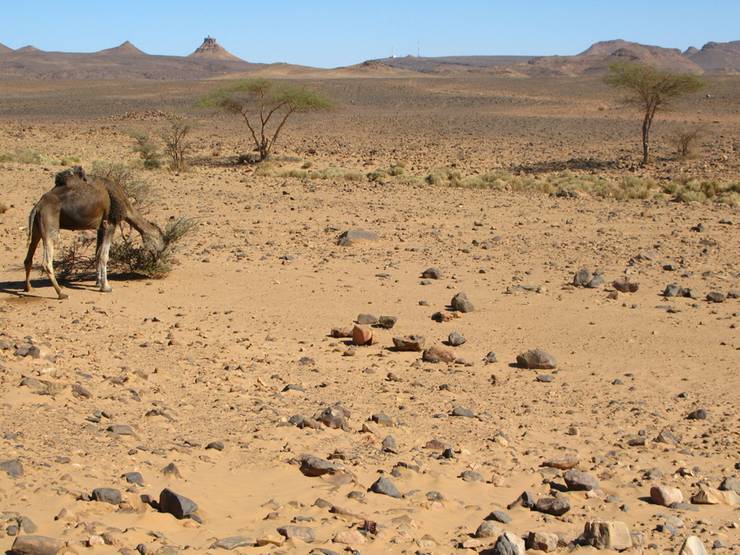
[[69, 175], [153, 239]]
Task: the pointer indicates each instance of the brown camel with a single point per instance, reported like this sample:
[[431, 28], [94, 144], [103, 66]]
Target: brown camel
[[77, 202]]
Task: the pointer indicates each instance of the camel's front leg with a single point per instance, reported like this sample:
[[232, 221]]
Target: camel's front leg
[[49, 266], [103, 255]]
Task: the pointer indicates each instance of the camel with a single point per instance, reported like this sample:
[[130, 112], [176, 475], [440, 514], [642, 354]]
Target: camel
[[78, 202]]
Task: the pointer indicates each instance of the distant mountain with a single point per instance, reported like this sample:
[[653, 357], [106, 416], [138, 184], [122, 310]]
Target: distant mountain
[[123, 49], [125, 61], [718, 56], [4, 49], [212, 50], [449, 64]]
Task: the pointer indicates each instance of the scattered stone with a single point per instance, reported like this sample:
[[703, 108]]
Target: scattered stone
[[730, 484], [432, 273], [340, 333], [525, 499], [509, 543], [698, 414], [107, 495], [545, 378], [455, 339], [382, 419], [582, 277], [384, 486], [233, 542], [536, 359], [362, 335], [611, 534], [12, 468], [624, 285], [134, 478], [565, 462], [542, 541], [580, 481], [314, 466], [303, 533], [692, 545], [461, 303], [121, 430], [665, 495], [435, 354], [334, 417], [462, 411], [409, 343], [490, 358], [716, 297], [175, 504], [499, 516], [366, 319], [471, 476], [667, 436], [487, 529], [349, 537], [389, 445], [36, 545], [712, 496], [387, 322], [355, 236], [556, 506], [217, 445]]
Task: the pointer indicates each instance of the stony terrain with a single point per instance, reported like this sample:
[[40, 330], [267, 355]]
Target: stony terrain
[[250, 401]]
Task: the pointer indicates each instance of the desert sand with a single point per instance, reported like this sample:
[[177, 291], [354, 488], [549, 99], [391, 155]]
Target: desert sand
[[209, 382]]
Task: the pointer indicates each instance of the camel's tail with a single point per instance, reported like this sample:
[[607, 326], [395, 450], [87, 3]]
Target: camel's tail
[[32, 221]]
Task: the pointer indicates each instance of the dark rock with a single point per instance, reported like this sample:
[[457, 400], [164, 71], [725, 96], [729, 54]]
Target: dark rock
[[462, 411], [525, 499], [545, 378], [499, 516], [461, 303], [582, 277], [334, 417], [387, 322], [455, 339], [730, 484], [384, 486], [556, 506], [471, 476], [314, 466], [134, 478], [107, 495], [624, 285], [577, 480], [389, 445], [536, 359], [490, 358], [12, 468], [508, 543], [175, 504], [233, 542], [382, 419], [716, 297], [36, 545], [435, 354], [217, 445], [432, 273], [698, 414]]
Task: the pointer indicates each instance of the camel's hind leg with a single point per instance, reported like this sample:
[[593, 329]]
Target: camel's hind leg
[[103, 253], [49, 265], [28, 262]]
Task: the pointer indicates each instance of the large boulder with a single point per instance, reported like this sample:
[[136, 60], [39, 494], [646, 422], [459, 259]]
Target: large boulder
[[608, 534]]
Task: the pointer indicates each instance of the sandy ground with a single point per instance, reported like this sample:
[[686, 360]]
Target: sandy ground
[[208, 353]]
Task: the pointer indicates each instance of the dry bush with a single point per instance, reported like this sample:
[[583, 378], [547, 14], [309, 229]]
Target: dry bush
[[684, 141], [137, 190], [126, 254], [176, 143], [147, 150]]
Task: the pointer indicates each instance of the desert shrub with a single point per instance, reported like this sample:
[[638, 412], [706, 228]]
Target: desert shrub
[[147, 150], [138, 190], [444, 176], [396, 169], [69, 160], [176, 143], [685, 189], [301, 174], [684, 141], [377, 174], [126, 254]]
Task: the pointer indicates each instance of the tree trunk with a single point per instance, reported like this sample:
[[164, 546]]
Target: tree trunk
[[646, 139]]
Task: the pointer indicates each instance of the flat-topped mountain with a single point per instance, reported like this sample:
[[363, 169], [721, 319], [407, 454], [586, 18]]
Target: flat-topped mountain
[[211, 49]]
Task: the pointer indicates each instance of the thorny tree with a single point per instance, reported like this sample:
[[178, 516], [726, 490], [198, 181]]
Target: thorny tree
[[650, 88], [265, 107]]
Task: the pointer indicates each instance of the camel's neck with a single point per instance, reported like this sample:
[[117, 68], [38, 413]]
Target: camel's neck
[[145, 228]]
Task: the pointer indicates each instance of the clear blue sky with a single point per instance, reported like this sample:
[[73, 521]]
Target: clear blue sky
[[330, 33]]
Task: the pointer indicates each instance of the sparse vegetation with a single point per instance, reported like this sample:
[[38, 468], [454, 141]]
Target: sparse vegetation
[[176, 142], [77, 260], [684, 141], [147, 150], [138, 190], [650, 89], [265, 107]]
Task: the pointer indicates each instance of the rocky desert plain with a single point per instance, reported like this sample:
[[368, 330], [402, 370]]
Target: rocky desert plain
[[284, 390]]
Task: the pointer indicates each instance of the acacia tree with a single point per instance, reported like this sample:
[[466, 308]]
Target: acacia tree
[[264, 106], [650, 88]]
